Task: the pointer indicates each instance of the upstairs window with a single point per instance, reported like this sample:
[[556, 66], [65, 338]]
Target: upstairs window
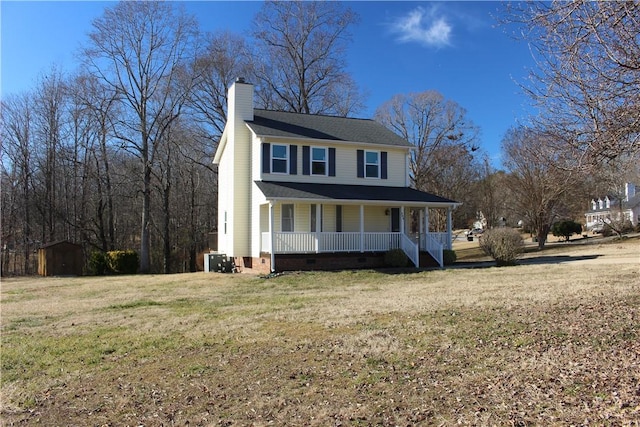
[[371, 164], [318, 161], [279, 158]]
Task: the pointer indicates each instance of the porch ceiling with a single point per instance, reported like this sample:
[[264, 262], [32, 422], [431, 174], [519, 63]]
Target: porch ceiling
[[349, 193]]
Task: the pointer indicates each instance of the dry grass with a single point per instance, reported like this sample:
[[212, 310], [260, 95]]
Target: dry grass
[[552, 341]]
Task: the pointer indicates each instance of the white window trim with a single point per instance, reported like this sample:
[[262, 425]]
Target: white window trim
[[326, 161], [379, 155], [293, 216], [286, 159]]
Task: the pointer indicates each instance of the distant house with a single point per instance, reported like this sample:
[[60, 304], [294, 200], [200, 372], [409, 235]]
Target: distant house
[[299, 191], [61, 258], [607, 208]]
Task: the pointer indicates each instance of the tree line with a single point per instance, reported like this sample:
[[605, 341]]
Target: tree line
[[117, 154]]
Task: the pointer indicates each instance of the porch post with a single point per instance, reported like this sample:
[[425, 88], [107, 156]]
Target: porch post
[[271, 237], [426, 226], [361, 228], [318, 226], [449, 225], [402, 219]]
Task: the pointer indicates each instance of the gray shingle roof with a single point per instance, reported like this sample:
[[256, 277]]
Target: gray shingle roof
[[297, 125], [310, 191]]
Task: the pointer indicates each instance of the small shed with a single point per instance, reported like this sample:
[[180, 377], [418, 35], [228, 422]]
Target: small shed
[[61, 258]]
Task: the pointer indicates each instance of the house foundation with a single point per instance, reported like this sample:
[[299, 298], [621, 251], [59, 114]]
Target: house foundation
[[321, 262]]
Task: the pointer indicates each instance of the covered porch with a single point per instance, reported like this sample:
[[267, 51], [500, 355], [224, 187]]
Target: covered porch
[[299, 219]]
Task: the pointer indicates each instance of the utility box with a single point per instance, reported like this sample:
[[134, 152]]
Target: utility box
[[220, 263]]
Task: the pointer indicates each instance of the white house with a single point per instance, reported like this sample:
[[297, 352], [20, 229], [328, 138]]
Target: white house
[[299, 192], [607, 208]]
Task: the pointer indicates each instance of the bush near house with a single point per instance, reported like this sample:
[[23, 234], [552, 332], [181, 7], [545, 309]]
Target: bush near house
[[449, 256], [566, 229], [504, 245], [396, 258], [114, 262]]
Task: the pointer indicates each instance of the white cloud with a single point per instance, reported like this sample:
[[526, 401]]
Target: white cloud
[[423, 27]]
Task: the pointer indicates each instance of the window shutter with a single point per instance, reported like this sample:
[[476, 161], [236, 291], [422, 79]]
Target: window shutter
[[306, 161], [293, 159], [383, 165], [266, 158], [360, 163], [332, 162]]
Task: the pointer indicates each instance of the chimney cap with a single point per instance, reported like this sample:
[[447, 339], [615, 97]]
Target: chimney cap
[[240, 80]]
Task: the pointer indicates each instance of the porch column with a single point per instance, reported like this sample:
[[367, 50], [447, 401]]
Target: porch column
[[402, 219], [426, 226], [449, 225], [271, 237], [361, 228], [318, 226]]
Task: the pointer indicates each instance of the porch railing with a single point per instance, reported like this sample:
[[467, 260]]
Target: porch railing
[[411, 249], [303, 242], [433, 244]]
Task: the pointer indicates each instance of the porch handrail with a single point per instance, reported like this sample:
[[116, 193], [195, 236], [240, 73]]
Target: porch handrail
[[309, 242], [434, 246], [411, 249]]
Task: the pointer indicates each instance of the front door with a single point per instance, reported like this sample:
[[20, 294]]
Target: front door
[[395, 220]]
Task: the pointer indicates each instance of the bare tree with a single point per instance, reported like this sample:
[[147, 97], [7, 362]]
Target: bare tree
[[301, 49], [587, 83], [49, 107], [492, 195], [444, 139], [16, 152], [537, 187], [138, 49], [223, 59]]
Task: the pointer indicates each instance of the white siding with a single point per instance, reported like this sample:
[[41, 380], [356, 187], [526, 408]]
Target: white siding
[[346, 165], [375, 219], [234, 177], [225, 202], [350, 218], [329, 218]]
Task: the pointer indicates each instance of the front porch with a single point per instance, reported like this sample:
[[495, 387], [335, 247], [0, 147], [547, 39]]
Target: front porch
[[350, 229], [290, 243], [358, 222]]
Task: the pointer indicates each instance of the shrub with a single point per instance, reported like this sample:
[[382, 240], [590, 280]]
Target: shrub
[[123, 262], [449, 256], [396, 258], [98, 265], [566, 229], [504, 245]]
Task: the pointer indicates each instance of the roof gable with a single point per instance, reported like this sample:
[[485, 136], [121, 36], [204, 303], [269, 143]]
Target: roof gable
[[267, 123]]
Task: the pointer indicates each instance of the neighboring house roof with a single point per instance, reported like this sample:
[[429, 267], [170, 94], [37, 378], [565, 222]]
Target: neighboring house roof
[[310, 191], [267, 123], [627, 204]]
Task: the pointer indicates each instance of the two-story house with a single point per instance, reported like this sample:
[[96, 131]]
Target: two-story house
[[303, 192], [605, 209]]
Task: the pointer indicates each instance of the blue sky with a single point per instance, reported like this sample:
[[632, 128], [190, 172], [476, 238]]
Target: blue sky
[[453, 47]]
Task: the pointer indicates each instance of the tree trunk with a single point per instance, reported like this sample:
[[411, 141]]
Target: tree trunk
[[145, 235]]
